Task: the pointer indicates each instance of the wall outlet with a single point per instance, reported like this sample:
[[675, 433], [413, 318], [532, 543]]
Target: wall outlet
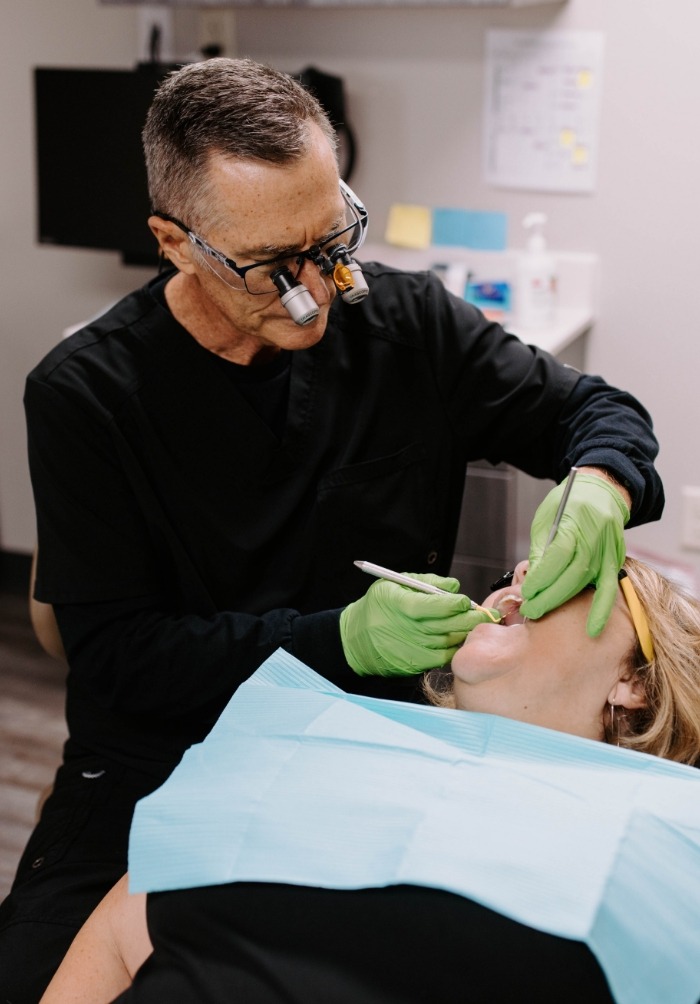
[[152, 16], [690, 518]]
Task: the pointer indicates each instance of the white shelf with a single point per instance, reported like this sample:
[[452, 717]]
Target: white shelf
[[339, 3]]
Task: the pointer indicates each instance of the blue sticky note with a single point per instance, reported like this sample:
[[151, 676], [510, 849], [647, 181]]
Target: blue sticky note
[[467, 228]]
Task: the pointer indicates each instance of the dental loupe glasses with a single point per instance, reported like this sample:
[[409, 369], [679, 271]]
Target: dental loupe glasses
[[332, 257]]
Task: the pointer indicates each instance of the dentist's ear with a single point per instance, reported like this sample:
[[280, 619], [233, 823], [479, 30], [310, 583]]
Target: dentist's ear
[[173, 243], [628, 693]]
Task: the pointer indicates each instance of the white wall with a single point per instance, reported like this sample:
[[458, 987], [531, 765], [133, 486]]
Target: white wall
[[414, 87], [42, 289]]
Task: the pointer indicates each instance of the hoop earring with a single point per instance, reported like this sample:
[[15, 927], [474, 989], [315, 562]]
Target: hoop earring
[[612, 726]]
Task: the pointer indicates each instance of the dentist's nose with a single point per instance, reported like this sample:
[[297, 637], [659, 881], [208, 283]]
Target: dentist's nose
[[320, 286]]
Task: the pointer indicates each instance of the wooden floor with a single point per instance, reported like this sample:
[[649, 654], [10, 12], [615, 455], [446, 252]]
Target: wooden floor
[[32, 728]]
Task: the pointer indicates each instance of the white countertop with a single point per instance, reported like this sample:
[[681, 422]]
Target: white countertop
[[568, 325], [577, 285]]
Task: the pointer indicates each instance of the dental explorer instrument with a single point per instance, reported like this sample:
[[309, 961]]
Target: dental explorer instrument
[[407, 580], [562, 506]]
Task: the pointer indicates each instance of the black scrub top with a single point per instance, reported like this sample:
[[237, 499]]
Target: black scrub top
[[184, 536]]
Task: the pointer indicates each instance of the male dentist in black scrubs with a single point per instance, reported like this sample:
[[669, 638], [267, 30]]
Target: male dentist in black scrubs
[[211, 456]]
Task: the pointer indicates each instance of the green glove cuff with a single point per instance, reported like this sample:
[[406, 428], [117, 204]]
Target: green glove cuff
[[547, 510], [612, 492]]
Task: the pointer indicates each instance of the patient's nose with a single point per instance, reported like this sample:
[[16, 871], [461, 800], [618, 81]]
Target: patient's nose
[[520, 572]]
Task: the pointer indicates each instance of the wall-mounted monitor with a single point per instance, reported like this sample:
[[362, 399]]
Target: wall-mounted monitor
[[91, 177]]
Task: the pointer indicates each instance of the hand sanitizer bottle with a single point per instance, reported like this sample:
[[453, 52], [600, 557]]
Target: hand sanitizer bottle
[[536, 283]]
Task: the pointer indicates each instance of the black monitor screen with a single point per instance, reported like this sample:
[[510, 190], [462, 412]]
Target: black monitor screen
[[91, 178]]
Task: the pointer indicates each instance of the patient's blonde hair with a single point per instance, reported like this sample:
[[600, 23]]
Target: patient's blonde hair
[[669, 725]]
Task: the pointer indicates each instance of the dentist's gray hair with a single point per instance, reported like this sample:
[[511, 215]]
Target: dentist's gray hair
[[232, 107]]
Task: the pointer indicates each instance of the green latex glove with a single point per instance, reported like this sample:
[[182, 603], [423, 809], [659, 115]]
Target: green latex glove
[[589, 548], [397, 631]]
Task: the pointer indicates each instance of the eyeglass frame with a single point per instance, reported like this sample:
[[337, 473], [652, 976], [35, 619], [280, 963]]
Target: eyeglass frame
[[311, 254], [639, 618]]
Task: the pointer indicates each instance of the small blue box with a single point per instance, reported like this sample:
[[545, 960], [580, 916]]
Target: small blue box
[[493, 298]]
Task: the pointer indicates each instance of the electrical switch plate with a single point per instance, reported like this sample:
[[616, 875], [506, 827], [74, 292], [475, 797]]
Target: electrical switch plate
[[690, 519]]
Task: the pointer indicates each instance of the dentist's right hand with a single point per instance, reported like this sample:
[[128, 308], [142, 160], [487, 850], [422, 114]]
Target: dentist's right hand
[[397, 631]]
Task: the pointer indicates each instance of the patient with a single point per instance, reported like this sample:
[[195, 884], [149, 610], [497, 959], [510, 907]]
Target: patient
[[404, 943], [550, 673]]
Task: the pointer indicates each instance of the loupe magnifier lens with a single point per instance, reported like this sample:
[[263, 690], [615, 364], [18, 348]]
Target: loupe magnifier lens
[[295, 297], [359, 289], [347, 274]]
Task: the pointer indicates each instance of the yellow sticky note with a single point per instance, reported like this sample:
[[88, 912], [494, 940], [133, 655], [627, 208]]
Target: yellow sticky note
[[584, 79], [409, 226], [567, 138], [579, 155]]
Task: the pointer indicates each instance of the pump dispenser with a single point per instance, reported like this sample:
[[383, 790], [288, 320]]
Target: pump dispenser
[[536, 286]]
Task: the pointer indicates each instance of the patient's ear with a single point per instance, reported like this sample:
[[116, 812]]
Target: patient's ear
[[629, 693]]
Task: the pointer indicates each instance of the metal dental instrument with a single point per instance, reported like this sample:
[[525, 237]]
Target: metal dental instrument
[[407, 580], [562, 506]]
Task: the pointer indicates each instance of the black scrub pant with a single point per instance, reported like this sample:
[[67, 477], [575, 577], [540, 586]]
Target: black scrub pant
[[76, 853]]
